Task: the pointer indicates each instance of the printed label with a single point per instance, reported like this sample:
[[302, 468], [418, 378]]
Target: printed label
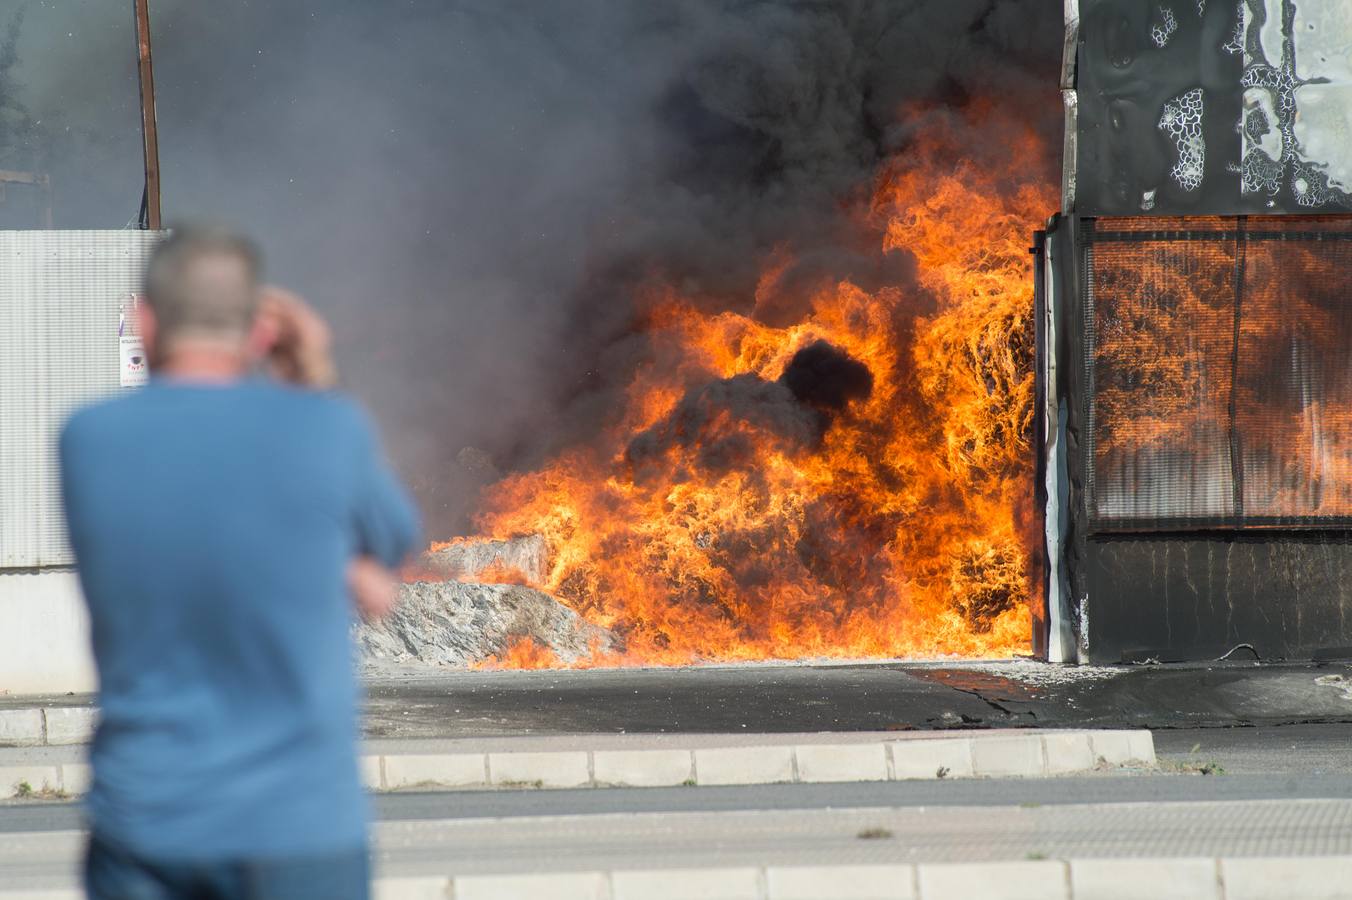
[[133, 369]]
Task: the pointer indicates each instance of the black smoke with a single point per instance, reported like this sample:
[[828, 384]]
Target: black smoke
[[825, 377], [477, 192], [724, 424]]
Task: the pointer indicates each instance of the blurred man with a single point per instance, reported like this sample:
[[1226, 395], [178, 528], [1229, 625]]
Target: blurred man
[[224, 522]]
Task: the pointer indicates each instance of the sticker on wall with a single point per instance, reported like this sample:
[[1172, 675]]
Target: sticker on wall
[[132, 368], [134, 372]]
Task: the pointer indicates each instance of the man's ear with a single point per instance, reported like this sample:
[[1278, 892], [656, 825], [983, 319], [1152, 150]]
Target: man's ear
[[148, 329]]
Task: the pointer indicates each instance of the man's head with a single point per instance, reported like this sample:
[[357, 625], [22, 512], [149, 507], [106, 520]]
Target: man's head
[[202, 291]]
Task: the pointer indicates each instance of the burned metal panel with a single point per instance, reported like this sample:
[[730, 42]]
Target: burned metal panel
[[1177, 597], [1219, 386], [1188, 107], [1044, 421], [1067, 639], [1056, 640]]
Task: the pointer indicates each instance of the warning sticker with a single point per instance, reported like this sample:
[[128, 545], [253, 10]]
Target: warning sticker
[[133, 370]]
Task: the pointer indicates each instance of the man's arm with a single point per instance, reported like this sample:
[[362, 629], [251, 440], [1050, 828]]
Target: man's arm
[[387, 529], [386, 519]]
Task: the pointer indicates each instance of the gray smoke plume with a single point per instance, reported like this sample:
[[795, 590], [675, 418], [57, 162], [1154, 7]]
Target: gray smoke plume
[[475, 191]]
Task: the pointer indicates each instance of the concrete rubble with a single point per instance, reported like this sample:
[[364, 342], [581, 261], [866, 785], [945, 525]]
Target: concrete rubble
[[455, 623], [468, 559]]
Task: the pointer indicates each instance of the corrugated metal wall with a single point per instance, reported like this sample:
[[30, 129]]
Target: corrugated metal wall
[[61, 296]]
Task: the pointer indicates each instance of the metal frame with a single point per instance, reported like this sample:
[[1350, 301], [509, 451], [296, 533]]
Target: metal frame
[[1240, 234]]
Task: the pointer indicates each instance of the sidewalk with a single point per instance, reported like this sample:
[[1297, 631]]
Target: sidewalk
[[1265, 850], [670, 760], [1323, 878]]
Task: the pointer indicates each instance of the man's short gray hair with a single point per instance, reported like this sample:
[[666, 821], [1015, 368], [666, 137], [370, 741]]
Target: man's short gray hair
[[192, 294]]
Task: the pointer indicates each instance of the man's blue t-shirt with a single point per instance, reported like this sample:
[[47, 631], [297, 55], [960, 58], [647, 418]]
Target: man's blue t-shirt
[[212, 526]]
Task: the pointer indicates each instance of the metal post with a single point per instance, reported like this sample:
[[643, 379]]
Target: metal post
[[151, 218]]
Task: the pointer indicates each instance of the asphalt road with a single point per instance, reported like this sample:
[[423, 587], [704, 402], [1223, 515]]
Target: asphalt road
[[783, 698], [866, 697], [1310, 751]]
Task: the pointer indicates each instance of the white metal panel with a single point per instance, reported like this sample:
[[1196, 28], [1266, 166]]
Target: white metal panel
[[61, 293]]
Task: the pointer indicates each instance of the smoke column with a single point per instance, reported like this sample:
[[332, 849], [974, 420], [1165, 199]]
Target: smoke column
[[477, 191]]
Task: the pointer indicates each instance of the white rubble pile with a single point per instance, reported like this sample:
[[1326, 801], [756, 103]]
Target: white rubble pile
[[454, 623], [465, 559]]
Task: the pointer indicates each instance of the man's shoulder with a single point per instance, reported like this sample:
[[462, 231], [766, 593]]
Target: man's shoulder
[[98, 418], [329, 407], [144, 408]]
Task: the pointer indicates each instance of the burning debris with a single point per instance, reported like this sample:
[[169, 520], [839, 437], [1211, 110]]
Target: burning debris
[[846, 484]]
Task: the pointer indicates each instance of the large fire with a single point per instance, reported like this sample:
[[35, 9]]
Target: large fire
[[856, 484]]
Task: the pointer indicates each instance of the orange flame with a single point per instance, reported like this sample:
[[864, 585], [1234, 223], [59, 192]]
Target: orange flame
[[522, 653], [900, 532]]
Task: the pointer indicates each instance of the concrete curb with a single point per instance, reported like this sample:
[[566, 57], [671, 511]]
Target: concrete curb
[[1256, 878], [987, 754], [40, 780], [47, 726]]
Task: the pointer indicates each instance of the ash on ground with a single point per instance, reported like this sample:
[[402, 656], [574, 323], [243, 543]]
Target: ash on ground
[[1032, 672]]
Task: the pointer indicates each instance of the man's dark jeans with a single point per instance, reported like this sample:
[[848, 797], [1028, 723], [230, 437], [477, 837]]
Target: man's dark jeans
[[112, 873]]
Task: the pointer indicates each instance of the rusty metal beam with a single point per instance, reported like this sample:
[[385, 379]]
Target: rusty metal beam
[[152, 142]]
